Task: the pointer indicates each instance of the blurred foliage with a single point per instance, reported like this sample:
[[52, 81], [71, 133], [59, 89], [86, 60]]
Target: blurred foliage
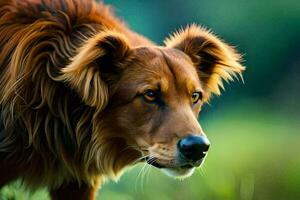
[[254, 127]]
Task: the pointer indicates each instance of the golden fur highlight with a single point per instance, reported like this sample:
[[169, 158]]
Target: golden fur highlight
[[84, 74]]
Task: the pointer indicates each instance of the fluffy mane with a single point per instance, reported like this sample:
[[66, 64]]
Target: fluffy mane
[[41, 112]]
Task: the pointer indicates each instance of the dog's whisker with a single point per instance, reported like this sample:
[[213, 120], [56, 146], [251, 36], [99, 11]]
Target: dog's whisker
[[147, 169], [148, 173], [151, 160], [201, 170], [140, 159], [140, 175]]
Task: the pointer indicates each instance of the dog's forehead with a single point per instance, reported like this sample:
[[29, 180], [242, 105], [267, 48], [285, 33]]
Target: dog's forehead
[[179, 64], [167, 65]]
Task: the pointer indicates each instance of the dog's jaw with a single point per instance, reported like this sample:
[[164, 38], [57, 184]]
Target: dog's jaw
[[178, 173]]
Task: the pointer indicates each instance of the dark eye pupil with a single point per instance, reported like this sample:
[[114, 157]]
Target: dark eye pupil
[[150, 94]]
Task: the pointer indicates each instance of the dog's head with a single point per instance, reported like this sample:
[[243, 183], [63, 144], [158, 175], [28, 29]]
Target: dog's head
[[151, 96]]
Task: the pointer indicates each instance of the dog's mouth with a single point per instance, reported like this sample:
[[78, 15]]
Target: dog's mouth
[[155, 162], [180, 170], [159, 166]]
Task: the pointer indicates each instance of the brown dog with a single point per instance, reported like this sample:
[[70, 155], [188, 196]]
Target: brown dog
[[82, 96]]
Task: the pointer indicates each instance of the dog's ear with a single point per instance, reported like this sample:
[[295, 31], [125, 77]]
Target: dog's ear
[[214, 59], [97, 65]]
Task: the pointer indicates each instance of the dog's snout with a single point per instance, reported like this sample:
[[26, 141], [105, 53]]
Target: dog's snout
[[193, 147]]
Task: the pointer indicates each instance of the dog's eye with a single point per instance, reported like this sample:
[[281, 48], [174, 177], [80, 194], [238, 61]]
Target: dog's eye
[[196, 96], [150, 95]]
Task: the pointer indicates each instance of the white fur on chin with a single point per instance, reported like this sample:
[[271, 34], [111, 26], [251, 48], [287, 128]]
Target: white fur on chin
[[178, 172]]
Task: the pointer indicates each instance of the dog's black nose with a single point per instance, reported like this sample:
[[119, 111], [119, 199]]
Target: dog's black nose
[[193, 147]]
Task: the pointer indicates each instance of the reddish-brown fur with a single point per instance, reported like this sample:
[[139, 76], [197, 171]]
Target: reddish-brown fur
[[73, 84]]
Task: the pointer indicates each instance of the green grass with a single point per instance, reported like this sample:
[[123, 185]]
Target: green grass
[[254, 155]]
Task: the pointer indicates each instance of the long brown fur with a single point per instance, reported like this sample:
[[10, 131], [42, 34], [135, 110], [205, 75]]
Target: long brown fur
[[55, 100], [45, 37]]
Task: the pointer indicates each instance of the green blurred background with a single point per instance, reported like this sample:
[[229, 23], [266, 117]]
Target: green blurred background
[[253, 127]]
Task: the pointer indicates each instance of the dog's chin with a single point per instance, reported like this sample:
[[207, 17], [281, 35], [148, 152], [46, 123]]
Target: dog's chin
[[175, 171], [178, 173]]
